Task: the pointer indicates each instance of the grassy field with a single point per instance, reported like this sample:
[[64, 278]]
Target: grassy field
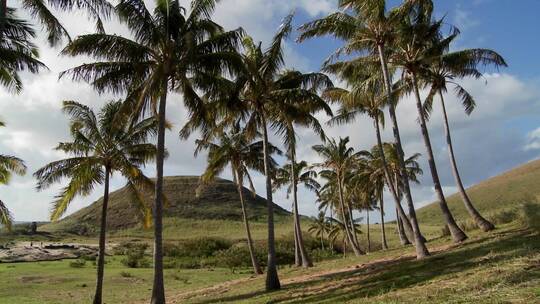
[[492, 196], [500, 267]]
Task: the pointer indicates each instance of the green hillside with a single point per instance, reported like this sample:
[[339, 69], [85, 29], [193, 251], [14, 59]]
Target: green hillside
[[492, 196], [217, 203]]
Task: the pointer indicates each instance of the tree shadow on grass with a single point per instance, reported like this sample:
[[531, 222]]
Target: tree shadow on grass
[[387, 276]]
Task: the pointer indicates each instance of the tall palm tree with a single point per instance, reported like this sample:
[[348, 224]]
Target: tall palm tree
[[445, 71], [172, 50], [236, 149], [300, 112], [368, 28], [320, 227], [8, 166], [338, 158], [419, 44], [260, 94], [302, 174], [102, 145], [17, 52]]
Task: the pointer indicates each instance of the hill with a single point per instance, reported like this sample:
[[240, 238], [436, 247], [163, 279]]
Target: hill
[[218, 201], [492, 196]]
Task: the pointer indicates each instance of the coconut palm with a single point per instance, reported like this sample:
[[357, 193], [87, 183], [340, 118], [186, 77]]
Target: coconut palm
[[174, 49], [262, 94], [302, 174], [419, 44], [235, 148], [338, 231], [338, 159], [8, 166], [320, 227], [40, 11], [18, 53], [368, 28], [445, 71], [102, 145]]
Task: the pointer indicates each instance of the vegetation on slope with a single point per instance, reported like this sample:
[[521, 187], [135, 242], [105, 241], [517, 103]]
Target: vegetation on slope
[[217, 201], [493, 196]]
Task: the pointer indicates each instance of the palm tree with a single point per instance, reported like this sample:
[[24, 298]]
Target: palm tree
[[302, 174], [443, 72], [171, 51], [237, 150], [419, 44], [339, 230], [338, 159], [18, 53], [262, 95], [102, 144], [300, 112], [370, 29], [320, 227], [8, 166]]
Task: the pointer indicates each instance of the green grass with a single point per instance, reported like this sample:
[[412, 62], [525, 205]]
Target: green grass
[[492, 196], [501, 267]]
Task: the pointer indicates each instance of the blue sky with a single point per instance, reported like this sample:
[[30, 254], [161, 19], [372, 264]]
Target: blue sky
[[503, 132]]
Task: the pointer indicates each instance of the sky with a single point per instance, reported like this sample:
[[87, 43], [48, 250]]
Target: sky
[[503, 131]]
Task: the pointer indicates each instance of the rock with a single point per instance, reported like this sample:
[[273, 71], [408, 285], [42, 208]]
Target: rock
[[51, 252]]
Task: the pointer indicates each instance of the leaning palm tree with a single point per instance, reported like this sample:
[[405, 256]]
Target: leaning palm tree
[[368, 28], [8, 166], [338, 159], [172, 50], [420, 43], [18, 53], [242, 154], [445, 71], [260, 94], [102, 145], [302, 174]]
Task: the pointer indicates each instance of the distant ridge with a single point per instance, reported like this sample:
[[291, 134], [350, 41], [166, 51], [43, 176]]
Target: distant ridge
[[218, 200]]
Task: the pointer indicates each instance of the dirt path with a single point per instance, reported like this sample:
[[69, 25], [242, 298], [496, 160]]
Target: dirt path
[[369, 267]]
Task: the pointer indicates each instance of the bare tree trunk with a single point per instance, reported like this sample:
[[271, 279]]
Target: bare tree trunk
[[272, 279], [383, 230], [457, 234], [368, 235], [388, 178], [402, 236], [256, 267], [419, 244], [158, 289], [102, 234], [348, 233], [306, 261], [297, 256], [351, 220], [480, 221]]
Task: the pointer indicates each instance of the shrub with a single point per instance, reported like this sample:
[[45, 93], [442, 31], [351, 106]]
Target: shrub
[[79, 263], [125, 274], [135, 257], [233, 258], [530, 216], [319, 254]]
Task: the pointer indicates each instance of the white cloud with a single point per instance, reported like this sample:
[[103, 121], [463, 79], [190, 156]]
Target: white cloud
[[533, 140]]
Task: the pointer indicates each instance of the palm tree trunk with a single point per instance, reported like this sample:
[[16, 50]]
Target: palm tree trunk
[[419, 244], [391, 185], [256, 267], [383, 230], [351, 220], [480, 221], [102, 235], [158, 290], [368, 235], [402, 236], [457, 234], [272, 279], [306, 261], [297, 257], [348, 234]]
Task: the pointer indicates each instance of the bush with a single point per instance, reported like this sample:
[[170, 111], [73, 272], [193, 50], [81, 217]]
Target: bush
[[234, 258], [79, 263], [530, 216], [319, 254], [198, 247], [126, 274], [135, 257]]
